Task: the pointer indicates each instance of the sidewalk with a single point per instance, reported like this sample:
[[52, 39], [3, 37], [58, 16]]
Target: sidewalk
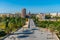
[[18, 31]]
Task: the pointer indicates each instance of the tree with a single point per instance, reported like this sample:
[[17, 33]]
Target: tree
[[2, 33], [47, 16], [12, 24], [58, 28], [6, 24], [52, 28]]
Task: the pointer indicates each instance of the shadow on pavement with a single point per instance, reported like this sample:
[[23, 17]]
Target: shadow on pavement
[[34, 29], [23, 36]]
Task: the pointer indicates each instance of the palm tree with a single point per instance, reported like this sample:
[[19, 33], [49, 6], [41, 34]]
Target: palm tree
[[6, 24], [12, 24], [19, 22]]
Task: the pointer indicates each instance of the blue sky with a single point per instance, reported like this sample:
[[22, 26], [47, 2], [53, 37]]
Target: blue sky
[[35, 6]]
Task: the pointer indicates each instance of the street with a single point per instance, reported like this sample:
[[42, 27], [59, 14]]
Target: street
[[39, 34]]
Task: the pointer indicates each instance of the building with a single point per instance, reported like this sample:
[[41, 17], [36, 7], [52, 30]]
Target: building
[[41, 16], [23, 15], [55, 15], [28, 15], [7, 15], [4, 15], [17, 14], [58, 14]]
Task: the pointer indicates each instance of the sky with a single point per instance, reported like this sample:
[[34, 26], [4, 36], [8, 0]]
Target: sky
[[34, 6]]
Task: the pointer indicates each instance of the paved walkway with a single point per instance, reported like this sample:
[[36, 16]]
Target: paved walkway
[[40, 34]]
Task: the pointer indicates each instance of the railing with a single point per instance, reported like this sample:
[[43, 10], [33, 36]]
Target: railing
[[29, 23], [4, 37], [56, 36]]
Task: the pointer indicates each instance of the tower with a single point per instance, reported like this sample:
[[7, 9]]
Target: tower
[[23, 15]]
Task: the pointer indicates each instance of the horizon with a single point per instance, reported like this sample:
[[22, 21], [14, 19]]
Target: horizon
[[34, 6]]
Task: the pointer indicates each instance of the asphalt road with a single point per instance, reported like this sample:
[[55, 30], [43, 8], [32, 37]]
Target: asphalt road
[[39, 34]]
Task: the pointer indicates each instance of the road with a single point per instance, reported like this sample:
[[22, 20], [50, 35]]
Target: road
[[39, 34]]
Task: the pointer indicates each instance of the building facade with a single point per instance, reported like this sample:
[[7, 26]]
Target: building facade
[[41, 16], [23, 14]]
